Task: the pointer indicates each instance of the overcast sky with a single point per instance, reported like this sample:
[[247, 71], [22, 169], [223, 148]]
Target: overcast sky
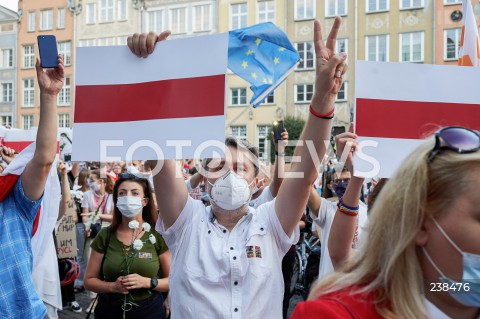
[[11, 4]]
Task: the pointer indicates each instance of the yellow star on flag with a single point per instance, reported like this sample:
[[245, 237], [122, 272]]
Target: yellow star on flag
[[276, 60], [249, 52], [244, 64], [270, 81], [281, 49], [258, 41], [254, 75], [265, 80]]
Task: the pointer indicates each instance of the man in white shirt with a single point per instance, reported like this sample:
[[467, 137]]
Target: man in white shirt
[[226, 258]]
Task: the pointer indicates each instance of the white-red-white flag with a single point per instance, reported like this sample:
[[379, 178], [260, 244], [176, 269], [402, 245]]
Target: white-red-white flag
[[399, 104], [469, 51], [176, 94]]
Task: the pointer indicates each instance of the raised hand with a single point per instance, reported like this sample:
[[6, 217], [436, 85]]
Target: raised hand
[[330, 68], [346, 141], [143, 44], [50, 80], [7, 154]]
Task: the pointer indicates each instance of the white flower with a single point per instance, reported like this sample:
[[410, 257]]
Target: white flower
[[133, 224], [152, 239], [146, 227], [137, 244]]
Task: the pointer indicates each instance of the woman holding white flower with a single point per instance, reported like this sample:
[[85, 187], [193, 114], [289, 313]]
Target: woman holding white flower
[[137, 262]]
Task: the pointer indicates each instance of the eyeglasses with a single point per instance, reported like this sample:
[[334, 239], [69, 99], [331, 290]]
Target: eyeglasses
[[455, 138], [130, 176]]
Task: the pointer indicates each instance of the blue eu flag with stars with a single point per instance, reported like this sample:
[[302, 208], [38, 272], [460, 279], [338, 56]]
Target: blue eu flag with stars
[[263, 56]]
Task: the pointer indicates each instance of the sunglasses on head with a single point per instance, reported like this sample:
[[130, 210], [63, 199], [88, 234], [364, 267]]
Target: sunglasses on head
[[455, 138]]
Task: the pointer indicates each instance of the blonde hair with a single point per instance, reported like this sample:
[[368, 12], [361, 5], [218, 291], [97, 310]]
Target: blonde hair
[[387, 263]]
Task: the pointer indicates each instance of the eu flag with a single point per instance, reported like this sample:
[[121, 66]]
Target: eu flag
[[263, 56]]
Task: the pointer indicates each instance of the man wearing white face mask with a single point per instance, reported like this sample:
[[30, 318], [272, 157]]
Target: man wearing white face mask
[[226, 258]]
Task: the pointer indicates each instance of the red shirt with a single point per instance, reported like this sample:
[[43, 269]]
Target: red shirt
[[338, 305]]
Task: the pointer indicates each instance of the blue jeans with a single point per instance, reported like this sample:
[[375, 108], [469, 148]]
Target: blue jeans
[[151, 308]]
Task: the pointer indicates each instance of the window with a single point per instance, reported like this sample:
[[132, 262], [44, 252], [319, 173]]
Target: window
[[154, 21], [238, 16], [106, 41], [28, 56], [28, 93], [303, 93], [60, 18], [239, 96], [87, 43], [451, 43], [65, 49], [122, 6], [31, 21], [7, 92], [122, 40], [6, 27], [46, 19], [341, 45], [376, 47], [262, 141], [64, 120], [304, 9], [342, 93], [27, 121], [107, 10], [409, 4], [178, 20], [239, 132], [452, 1], [64, 94], [6, 120], [266, 11], [270, 99], [202, 18], [377, 5], [307, 55], [411, 47], [336, 8], [6, 58], [90, 13]]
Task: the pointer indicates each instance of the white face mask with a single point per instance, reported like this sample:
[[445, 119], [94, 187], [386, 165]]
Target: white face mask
[[230, 192], [129, 206], [94, 186]]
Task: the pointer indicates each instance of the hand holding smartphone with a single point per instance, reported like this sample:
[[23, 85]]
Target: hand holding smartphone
[[47, 47], [278, 129]]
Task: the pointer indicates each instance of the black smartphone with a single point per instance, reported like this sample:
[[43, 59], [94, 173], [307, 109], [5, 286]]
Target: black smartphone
[[47, 46], [278, 130]]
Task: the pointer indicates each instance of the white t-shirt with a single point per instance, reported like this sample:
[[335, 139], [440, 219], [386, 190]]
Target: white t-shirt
[[220, 274], [90, 198], [264, 197], [326, 213]]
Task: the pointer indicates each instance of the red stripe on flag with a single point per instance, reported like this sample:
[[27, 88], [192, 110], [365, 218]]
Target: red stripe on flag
[[411, 119], [19, 146], [179, 98]]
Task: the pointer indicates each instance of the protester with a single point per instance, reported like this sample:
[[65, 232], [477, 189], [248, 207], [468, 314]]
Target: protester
[[227, 257], [18, 298], [131, 274], [420, 259]]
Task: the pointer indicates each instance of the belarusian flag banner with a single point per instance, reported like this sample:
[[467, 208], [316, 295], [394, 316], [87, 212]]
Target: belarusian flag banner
[[399, 104]]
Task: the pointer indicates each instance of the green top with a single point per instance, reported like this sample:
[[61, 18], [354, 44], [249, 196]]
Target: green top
[[145, 261]]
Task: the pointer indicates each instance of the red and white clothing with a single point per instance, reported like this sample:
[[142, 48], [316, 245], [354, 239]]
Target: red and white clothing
[[92, 200], [220, 274]]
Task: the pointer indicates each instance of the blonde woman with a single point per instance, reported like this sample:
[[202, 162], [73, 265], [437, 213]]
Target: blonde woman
[[422, 255]]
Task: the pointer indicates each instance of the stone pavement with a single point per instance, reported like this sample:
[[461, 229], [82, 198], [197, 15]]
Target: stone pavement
[[84, 300]]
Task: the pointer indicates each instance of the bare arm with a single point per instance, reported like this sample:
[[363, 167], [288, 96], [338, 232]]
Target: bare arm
[[343, 226], [170, 191], [314, 201], [35, 175], [329, 78], [279, 166], [65, 190], [195, 180], [93, 281]]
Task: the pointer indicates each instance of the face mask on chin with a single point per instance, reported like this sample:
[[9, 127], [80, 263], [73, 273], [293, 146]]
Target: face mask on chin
[[470, 276], [230, 192]]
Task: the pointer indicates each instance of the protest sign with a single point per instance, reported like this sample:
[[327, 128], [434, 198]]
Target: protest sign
[[66, 235]]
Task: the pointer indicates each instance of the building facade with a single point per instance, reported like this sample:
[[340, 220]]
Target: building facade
[[42, 17], [8, 66], [242, 120]]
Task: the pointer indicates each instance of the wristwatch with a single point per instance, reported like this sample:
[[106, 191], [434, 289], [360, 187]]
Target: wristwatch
[[153, 283]]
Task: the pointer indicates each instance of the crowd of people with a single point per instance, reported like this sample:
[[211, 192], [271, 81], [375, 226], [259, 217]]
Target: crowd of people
[[215, 238]]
